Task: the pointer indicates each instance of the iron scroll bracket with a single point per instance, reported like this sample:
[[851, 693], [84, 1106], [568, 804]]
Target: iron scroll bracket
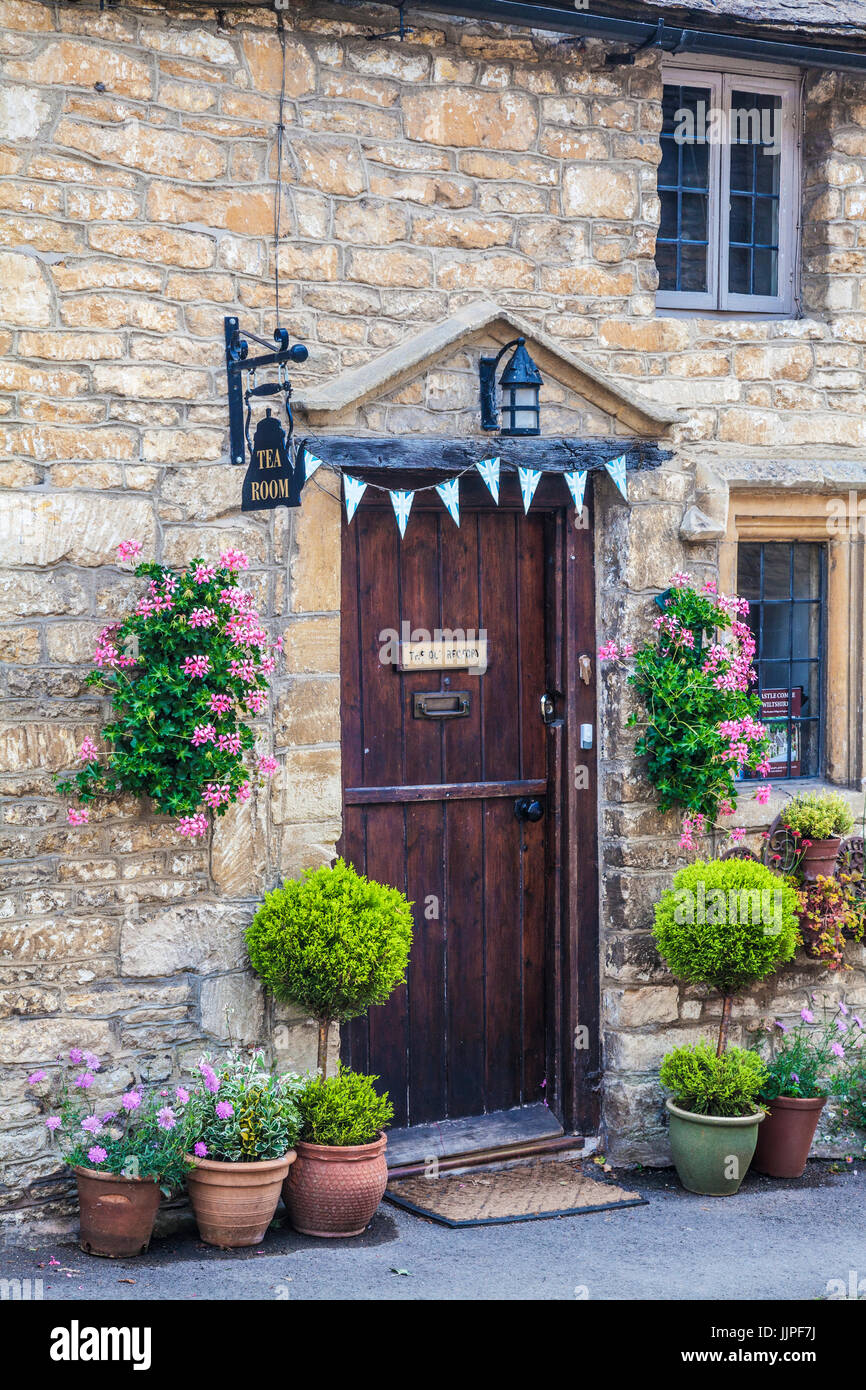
[[238, 361]]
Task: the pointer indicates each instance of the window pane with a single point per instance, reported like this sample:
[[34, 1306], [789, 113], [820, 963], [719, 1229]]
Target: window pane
[[683, 181], [785, 584], [755, 154]]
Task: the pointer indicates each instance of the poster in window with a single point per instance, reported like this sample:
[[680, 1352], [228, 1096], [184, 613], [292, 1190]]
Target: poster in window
[[776, 708]]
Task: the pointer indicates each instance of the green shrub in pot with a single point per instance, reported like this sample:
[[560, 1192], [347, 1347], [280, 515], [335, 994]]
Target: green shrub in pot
[[341, 1174], [726, 923], [818, 815], [332, 942], [714, 1114], [344, 1109]]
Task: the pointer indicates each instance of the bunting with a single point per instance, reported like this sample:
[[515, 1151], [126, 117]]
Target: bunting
[[354, 490], [450, 494], [402, 503], [528, 483], [449, 491], [616, 469], [577, 486], [489, 470]]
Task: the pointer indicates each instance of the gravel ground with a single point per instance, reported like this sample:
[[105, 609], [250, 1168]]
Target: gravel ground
[[774, 1240]]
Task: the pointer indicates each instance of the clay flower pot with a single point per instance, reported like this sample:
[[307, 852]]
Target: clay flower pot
[[820, 858], [334, 1191], [116, 1213], [786, 1135], [712, 1153], [234, 1203]]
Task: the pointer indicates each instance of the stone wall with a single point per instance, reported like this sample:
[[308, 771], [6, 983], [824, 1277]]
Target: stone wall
[[136, 210]]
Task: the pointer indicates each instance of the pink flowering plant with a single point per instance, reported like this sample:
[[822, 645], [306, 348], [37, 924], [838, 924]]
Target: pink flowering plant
[[139, 1136], [803, 1058], [185, 670], [700, 730], [241, 1112]]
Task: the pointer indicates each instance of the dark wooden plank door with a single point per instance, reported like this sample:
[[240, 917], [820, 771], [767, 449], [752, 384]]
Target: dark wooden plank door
[[429, 805]]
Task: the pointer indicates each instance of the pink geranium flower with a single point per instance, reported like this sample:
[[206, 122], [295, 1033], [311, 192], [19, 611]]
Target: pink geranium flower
[[128, 550], [203, 733], [267, 766], [762, 795], [88, 753], [193, 827], [234, 560], [77, 817], [196, 665], [202, 573], [220, 704]]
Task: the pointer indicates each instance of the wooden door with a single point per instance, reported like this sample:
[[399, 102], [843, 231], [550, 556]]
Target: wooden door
[[430, 803]]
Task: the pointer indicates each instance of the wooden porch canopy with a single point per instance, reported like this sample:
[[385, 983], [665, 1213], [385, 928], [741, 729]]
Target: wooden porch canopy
[[414, 454]]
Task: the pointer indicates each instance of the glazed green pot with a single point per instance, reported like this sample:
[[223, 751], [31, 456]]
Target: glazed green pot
[[712, 1153]]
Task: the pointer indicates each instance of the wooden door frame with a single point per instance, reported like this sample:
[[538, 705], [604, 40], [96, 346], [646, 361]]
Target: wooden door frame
[[572, 913]]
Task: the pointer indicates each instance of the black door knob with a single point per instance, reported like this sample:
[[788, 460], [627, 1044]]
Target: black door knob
[[528, 808]]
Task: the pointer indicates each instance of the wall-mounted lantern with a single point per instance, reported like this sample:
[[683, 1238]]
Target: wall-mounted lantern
[[519, 384]]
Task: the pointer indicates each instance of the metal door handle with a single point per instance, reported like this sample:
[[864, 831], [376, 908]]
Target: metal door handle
[[528, 808]]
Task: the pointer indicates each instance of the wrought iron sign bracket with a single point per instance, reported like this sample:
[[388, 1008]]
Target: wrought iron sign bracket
[[239, 361]]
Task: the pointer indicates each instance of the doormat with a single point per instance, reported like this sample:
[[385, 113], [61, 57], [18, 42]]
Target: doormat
[[539, 1191]]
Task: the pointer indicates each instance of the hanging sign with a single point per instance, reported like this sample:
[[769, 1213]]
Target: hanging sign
[[271, 478]]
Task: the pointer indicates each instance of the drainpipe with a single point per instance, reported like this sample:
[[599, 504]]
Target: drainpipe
[[647, 35]]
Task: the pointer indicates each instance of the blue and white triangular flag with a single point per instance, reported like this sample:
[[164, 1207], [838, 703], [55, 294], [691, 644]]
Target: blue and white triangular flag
[[402, 504], [616, 469], [311, 463], [577, 486], [489, 470], [450, 494], [528, 483], [354, 490]]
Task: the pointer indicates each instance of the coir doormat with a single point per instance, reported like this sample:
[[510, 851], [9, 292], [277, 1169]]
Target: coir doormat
[[539, 1191]]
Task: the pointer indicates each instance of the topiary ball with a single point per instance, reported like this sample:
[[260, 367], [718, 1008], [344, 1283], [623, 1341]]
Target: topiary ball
[[727, 923]]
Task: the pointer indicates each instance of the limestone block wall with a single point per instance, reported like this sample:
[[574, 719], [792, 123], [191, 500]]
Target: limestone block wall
[[138, 158]]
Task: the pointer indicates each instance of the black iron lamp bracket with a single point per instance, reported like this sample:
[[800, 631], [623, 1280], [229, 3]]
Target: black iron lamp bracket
[[487, 377], [239, 361]]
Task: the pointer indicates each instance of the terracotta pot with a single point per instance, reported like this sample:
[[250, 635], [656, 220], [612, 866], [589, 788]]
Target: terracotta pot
[[234, 1203], [116, 1213], [820, 858], [712, 1153], [785, 1137], [334, 1191]]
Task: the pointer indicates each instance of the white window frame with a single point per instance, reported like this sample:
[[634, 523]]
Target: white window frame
[[717, 298]]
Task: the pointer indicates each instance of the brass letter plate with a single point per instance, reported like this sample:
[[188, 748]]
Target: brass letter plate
[[440, 704]]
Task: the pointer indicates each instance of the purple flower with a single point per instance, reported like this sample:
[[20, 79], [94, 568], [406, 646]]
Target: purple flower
[[841, 1025], [84, 1080], [210, 1077], [53, 1122], [225, 1109], [96, 1154], [181, 1095], [75, 1056], [92, 1124], [109, 1115], [131, 1100], [92, 1061], [843, 1008], [857, 1020], [166, 1118], [200, 1149], [807, 1016], [36, 1077], [837, 1049], [783, 1026], [794, 1076]]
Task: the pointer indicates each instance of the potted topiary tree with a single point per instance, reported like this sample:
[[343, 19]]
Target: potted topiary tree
[[817, 820], [727, 924], [341, 1174], [335, 943]]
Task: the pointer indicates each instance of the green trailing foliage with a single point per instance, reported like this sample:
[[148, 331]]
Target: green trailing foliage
[[818, 815], [343, 1110], [726, 923], [707, 1084], [332, 942]]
